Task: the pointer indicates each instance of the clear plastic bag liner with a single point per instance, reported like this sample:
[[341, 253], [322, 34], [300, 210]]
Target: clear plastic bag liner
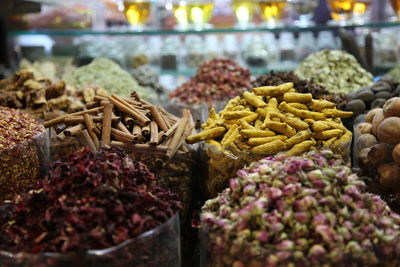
[[156, 247]]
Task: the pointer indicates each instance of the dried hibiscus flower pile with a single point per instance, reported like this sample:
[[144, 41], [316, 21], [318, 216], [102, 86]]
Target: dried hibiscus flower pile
[[308, 210], [95, 200], [216, 80]]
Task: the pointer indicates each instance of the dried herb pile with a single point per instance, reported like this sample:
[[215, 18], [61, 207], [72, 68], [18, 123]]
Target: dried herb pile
[[95, 200], [308, 210], [302, 86], [216, 80], [338, 71]]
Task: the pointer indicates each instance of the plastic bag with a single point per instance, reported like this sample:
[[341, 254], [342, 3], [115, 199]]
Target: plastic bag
[[157, 247]]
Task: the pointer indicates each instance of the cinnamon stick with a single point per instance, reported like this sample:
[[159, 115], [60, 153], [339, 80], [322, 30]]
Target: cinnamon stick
[[87, 140], [73, 130], [61, 136], [122, 127], [125, 108], [141, 148], [122, 135], [157, 117], [179, 136], [129, 121], [172, 129], [90, 125], [80, 119], [106, 126], [55, 121], [145, 130], [97, 130], [153, 133], [161, 137], [99, 98], [137, 133], [167, 123]]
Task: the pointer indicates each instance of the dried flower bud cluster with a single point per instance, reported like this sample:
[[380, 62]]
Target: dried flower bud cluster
[[338, 71], [309, 210], [95, 200], [148, 78], [216, 80], [302, 86], [41, 97]]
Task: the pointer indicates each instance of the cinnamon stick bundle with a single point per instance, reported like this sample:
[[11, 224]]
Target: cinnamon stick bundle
[[131, 124]]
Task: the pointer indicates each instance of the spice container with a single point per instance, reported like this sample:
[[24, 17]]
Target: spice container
[[267, 121], [305, 45], [155, 44], [195, 54], [118, 217], [272, 46], [23, 152], [139, 55], [303, 211], [256, 54], [169, 54], [230, 49], [326, 40], [212, 47], [287, 46]]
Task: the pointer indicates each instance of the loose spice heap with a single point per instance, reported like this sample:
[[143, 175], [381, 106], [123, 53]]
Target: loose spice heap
[[41, 97], [128, 123], [302, 86], [307, 211], [337, 71], [19, 162], [95, 200], [216, 80], [109, 75], [395, 74], [271, 119]]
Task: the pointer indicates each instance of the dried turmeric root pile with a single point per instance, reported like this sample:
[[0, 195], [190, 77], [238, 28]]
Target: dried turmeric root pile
[[272, 119]]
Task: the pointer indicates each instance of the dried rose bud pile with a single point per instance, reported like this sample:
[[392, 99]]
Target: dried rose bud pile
[[216, 80], [95, 200], [309, 210]]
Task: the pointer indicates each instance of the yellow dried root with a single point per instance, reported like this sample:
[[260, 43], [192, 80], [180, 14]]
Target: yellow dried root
[[281, 127], [251, 118], [206, 134], [250, 133], [329, 142], [230, 136], [230, 115], [343, 140], [256, 141], [300, 148], [337, 113], [304, 114], [298, 138], [254, 100], [273, 90], [269, 148], [245, 125], [328, 134], [293, 122], [297, 98], [298, 106], [319, 105], [320, 126], [310, 122]]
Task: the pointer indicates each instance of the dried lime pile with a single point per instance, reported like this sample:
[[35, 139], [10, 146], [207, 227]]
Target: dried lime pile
[[338, 71]]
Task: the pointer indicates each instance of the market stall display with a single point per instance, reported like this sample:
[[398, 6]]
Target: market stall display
[[268, 120], [93, 201], [149, 79], [22, 151], [109, 75], [308, 210], [43, 98], [337, 71]]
